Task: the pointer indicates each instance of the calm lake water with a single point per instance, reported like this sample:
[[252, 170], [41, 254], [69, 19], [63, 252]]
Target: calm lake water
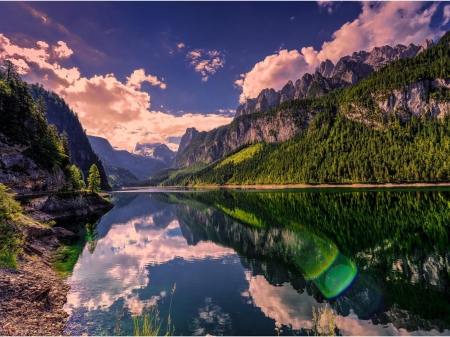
[[243, 260]]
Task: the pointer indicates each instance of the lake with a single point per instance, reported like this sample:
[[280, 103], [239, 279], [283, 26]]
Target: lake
[[243, 260]]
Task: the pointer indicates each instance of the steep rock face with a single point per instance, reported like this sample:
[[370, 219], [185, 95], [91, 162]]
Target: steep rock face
[[303, 85], [381, 56], [288, 92], [347, 71], [326, 68], [187, 138], [210, 146], [418, 99], [20, 173]]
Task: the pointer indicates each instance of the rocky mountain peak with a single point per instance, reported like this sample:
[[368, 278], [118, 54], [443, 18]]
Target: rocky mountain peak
[[187, 138], [328, 76], [288, 92], [155, 150], [326, 68], [428, 43]]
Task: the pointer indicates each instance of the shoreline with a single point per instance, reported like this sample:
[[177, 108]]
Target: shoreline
[[292, 186]]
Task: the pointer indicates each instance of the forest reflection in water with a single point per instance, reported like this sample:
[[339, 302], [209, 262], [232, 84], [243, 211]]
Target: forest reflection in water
[[243, 260]]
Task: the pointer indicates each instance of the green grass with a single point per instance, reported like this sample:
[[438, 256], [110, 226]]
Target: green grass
[[242, 155], [10, 238]]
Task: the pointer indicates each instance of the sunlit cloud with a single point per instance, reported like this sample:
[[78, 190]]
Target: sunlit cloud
[[106, 106], [206, 62], [378, 24]]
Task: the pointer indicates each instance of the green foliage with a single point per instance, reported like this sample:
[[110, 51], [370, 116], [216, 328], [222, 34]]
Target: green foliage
[[9, 236], [396, 148], [24, 122], [94, 179], [76, 146], [9, 208], [75, 177], [242, 155], [374, 229]]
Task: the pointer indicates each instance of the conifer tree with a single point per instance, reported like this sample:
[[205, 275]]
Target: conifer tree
[[93, 179]]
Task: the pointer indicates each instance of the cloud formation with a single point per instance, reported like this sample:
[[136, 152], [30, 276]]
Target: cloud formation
[[273, 72], [446, 14], [106, 106], [206, 62], [378, 24], [328, 5]]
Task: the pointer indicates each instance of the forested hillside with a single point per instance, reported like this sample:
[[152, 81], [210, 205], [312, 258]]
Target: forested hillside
[[63, 117], [33, 154], [393, 126]]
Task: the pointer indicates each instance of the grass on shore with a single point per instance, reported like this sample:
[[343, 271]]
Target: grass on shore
[[10, 238]]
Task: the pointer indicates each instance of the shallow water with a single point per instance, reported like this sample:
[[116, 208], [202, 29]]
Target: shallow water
[[242, 261]]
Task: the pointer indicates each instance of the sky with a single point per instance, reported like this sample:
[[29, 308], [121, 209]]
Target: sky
[[146, 71]]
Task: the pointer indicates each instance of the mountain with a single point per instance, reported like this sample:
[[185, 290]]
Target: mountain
[[392, 126], [32, 155], [328, 76], [140, 166], [63, 117], [157, 151]]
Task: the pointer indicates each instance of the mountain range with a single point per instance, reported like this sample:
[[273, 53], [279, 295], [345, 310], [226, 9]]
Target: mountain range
[[124, 168], [348, 70], [373, 117]]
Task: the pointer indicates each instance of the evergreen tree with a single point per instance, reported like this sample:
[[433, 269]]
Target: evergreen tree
[[65, 143], [94, 179]]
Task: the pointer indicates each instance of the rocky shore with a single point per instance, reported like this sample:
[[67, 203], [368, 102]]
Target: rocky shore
[[32, 297]]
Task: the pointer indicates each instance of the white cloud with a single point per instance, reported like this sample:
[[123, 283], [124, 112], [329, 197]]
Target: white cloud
[[273, 72], [378, 24], [62, 51], [106, 106], [206, 62], [181, 45], [138, 77], [446, 14]]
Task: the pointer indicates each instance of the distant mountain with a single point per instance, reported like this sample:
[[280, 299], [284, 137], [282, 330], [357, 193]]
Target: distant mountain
[[157, 151], [140, 166], [63, 117], [118, 176], [328, 76]]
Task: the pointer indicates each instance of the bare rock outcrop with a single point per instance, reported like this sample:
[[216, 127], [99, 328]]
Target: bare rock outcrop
[[348, 70], [417, 99], [19, 172]]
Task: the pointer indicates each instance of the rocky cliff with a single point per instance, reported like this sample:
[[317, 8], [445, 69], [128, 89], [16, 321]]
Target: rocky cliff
[[423, 99], [20, 173], [328, 76], [213, 145]]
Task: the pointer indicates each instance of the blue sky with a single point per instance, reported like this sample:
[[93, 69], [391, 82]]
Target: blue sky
[[197, 59]]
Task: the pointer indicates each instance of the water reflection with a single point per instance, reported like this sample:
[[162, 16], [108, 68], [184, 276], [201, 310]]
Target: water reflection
[[243, 260]]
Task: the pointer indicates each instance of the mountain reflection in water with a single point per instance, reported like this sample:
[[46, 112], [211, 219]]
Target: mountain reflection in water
[[243, 260]]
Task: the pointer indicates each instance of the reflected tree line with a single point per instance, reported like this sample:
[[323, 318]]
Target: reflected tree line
[[385, 255], [399, 242]]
